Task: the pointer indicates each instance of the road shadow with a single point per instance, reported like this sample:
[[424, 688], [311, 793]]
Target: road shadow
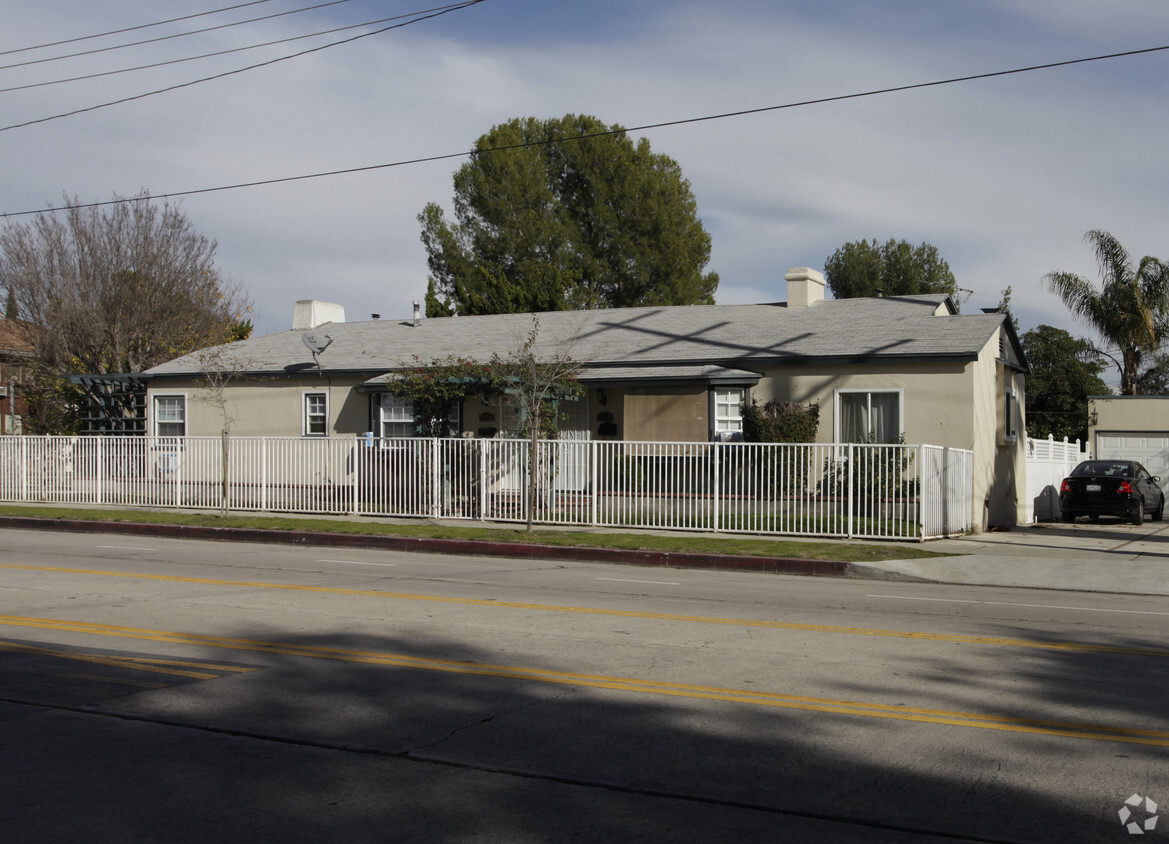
[[335, 736]]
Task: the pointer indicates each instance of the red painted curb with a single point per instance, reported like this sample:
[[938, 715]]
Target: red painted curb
[[475, 548]]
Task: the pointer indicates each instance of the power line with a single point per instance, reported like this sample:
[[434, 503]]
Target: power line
[[430, 13], [168, 38], [220, 52], [130, 28], [642, 128]]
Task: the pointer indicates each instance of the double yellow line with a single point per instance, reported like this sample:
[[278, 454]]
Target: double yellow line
[[1099, 732], [652, 616], [170, 667]]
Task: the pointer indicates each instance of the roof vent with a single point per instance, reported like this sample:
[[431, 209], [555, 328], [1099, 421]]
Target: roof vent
[[309, 313]]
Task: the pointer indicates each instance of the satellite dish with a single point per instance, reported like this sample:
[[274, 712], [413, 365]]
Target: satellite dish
[[316, 344]]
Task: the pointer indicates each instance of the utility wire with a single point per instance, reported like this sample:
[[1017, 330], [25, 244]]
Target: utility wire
[[220, 52], [171, 37], [642, 128], [130, 28], [432, 13]]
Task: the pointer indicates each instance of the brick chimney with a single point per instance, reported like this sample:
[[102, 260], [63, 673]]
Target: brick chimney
[[805, 287]]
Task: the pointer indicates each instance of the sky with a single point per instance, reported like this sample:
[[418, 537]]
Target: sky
[[1004, 175]]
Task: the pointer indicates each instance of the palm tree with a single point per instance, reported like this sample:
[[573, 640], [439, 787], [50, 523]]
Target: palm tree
[[1130, 311]]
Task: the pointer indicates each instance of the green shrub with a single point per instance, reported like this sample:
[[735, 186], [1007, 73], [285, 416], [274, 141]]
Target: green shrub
[[780, 422]]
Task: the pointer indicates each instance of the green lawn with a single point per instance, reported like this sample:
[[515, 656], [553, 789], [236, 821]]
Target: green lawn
[[843, 551]]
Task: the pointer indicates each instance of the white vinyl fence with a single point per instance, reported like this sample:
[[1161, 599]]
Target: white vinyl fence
[[873, 491], [1049, 461]]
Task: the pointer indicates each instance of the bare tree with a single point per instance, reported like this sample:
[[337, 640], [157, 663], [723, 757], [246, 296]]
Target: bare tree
[[535, 382], [116, 288], [219, 366]]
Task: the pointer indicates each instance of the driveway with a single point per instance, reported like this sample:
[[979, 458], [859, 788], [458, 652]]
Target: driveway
[[1103, 556]]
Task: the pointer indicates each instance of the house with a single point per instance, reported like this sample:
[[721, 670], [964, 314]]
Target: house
[[15, 375], [1131, 428], [883, 368]]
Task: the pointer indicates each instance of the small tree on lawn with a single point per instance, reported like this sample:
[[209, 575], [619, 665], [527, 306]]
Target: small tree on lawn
[[529, 379], [219, 366], [536, 384]]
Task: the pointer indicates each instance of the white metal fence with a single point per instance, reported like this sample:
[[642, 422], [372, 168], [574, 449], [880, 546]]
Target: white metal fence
[[1048, 462], [870, 491]]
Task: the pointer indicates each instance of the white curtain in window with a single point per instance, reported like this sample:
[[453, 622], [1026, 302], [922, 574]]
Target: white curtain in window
[[854, 417], [884, 417], [865, 414]]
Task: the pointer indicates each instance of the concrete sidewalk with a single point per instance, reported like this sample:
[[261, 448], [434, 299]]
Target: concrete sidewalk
[[1105, 556], [1092, 557]]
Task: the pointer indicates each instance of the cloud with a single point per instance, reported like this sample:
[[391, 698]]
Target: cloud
[[1003, 175]]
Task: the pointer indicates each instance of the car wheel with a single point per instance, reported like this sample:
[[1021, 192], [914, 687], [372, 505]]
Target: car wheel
[[1094, 517], [1159, 513], [1138, 515], [1068, 517]]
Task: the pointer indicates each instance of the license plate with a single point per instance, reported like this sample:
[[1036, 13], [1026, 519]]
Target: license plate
[[1092, 487]]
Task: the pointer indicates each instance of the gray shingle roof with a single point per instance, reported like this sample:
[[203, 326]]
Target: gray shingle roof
[[738, 336]]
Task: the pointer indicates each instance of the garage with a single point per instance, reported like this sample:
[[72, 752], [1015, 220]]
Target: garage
[[1132, 428]]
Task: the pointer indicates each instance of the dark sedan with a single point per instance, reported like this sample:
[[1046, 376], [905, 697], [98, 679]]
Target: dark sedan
[[1121, 488]]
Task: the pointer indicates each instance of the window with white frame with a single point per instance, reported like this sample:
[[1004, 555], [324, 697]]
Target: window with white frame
[[868, 416], [728, 412], [316, 414], [170, 416], [395, 417]]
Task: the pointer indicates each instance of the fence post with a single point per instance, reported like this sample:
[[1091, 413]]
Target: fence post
[[97, 462], [180, 444], [919, 485], [481, 446], [592, 483], [355, 509], [435, 480], [848, 499], [263, 474], [24, 469], [716, 489]]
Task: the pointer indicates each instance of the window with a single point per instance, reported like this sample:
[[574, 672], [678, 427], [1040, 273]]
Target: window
[[170, 416], [1011, 411], [316, 414], [728, 415], [864, 416], [395, 417]]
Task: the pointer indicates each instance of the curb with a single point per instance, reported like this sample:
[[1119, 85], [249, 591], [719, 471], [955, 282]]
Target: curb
[[476, 548]]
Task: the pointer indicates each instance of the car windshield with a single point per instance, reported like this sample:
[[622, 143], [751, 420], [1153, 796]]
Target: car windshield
[[1103, 469]]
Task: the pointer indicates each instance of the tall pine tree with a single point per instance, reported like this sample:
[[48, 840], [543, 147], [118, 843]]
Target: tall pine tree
[[565, 214]]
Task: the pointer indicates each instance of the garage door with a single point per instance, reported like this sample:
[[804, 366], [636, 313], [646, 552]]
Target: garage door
[[1150, 448]]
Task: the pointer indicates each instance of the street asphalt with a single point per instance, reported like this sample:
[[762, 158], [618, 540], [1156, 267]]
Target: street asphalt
[[1102, 556]]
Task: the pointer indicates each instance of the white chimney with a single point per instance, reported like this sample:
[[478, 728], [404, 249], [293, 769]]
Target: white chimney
[[805, 287], [309, 313]]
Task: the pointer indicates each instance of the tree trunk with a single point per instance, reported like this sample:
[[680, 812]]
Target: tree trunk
[[226, 459], [533, 449]]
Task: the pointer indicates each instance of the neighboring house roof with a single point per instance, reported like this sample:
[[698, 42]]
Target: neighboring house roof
[[702, 339]]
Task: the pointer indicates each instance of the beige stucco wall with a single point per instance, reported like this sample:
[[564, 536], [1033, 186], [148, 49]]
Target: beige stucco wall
[[1127, 413], [935, 396], [954, 404], [272, 408]]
